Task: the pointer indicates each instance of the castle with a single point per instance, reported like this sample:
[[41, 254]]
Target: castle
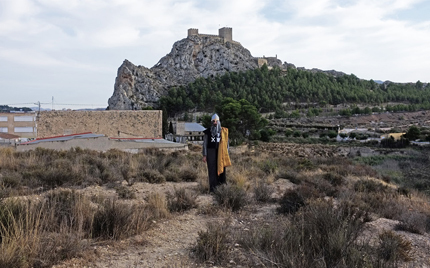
[[226, 34]]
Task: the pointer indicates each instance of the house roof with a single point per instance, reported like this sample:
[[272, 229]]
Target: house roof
[[7, 136], [193, 127]]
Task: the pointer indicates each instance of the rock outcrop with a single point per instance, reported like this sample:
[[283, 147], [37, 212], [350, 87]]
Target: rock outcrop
[[137, 87]]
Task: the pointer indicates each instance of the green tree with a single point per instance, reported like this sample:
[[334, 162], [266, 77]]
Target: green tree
[[171, 127], [164, 124], [240, 117], [413, 133]]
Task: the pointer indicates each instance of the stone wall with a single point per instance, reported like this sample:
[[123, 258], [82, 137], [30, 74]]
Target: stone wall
[[144, 124]]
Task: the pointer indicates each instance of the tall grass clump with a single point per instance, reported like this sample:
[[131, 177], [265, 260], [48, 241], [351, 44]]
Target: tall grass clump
[[392, 249], [263, 192], [213, 245], [181, 200], [231, 196], [115, 220]]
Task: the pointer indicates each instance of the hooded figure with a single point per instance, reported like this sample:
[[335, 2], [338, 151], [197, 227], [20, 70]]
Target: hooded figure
[[215, 152]]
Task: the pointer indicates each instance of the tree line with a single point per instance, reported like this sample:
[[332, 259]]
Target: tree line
[[270, 90]]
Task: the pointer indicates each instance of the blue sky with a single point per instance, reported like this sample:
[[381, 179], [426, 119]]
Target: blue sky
[[71, 50]]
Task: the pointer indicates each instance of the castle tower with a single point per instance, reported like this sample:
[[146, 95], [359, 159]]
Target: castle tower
[[226, 33], [193, 31]]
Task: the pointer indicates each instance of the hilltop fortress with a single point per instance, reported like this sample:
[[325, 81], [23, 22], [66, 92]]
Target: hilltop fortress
[[197, 55], [226, 35]]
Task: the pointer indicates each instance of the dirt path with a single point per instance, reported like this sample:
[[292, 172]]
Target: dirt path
[[166, 244]]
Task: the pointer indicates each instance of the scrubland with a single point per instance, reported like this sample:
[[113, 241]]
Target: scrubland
[[275, 210]]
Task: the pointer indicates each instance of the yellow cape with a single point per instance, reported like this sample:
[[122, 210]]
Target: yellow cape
[[223, 157]]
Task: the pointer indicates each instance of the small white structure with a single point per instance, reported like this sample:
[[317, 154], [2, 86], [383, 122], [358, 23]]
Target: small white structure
[[187, 132]]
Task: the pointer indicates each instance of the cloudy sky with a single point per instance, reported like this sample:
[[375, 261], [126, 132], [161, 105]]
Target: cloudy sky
[[70, 50]]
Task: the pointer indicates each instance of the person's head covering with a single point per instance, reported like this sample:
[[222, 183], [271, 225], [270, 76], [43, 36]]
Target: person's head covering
[[215, 117], [215, 130]]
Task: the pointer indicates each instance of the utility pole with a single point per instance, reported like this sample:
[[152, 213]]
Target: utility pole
[[38, 113]]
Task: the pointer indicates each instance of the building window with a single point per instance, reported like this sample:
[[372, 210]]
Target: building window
[[23, 118], [23, 129], [3, 118], [191, 133], [3, 129]]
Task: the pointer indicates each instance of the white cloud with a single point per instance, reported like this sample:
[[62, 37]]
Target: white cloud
[[364, 37]]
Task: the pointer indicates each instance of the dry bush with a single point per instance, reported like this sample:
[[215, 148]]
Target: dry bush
[[290, 202], [333, 178], [20, 226], [269, 166], [413, 221], [370, 186], [213, 244], [263, 192], [181, 200], [188, 175], [31, 236], [151, 176], [125, 192], [393, 248], [290, 175], [157, 206], [318, 235], [115, 220], [238, 179], [231, 196], [66, 208]]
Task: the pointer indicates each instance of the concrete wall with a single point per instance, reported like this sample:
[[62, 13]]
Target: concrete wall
[[124, 123], [17, 121]]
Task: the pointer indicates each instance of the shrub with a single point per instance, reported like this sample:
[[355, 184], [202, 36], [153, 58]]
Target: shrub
[[290, 202], [263, 192], [231, 196], [116, 221], [334, 179], [290, 175], [269, 166], [370, 186], [412, 221], [125, 192], [151, 176], [181, 200], [213, 244], [318, 235], [393, 247], [67, 207], [188, 175], [157, 206]]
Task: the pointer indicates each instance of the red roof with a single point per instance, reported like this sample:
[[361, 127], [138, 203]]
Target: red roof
[[8, 136]]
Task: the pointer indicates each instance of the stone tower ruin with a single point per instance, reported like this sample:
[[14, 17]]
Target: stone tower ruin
[[226, 33]]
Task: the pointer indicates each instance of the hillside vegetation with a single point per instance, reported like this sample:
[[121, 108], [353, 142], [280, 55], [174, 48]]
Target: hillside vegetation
[[268, 90]]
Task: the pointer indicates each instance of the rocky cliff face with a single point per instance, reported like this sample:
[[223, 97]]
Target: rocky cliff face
[[196, 56]]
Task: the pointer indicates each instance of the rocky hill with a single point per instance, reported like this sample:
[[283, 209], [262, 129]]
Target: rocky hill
[[196, 56]]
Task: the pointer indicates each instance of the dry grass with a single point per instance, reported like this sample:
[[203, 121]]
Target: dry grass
[[330, 202]]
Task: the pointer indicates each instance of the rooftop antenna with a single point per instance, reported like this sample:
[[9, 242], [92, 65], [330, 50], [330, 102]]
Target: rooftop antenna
[[52, 102]]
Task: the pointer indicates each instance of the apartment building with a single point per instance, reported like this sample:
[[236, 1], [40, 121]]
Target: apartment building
[[22, 124]]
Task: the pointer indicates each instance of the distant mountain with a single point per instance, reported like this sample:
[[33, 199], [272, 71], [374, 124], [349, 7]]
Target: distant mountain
[[6, 108]]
